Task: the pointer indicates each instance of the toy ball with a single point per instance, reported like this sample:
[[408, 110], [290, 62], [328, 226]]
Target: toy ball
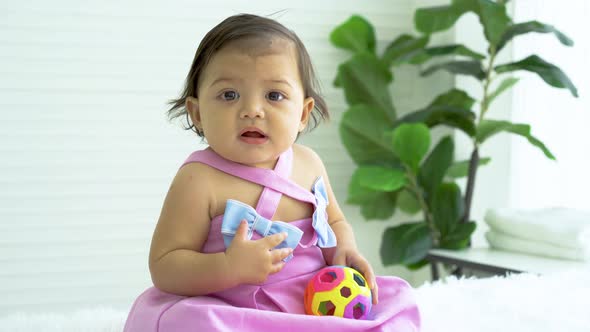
[[338, 291]]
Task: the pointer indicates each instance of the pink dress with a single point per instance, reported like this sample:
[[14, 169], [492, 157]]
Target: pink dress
[[276, 305]]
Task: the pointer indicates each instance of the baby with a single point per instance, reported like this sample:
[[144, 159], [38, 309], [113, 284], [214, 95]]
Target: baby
[[249, 220]]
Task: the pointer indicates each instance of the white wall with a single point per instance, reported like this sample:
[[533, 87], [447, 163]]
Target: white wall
[[558, 119], [87, 153]]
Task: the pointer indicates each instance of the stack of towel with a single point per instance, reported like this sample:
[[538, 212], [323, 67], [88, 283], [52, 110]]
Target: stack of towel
[[556, 232]]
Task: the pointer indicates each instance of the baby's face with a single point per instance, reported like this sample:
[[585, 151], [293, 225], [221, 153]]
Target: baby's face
[[251, 103]]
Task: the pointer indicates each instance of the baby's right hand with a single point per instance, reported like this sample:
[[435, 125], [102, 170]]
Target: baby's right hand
[[253, 261]]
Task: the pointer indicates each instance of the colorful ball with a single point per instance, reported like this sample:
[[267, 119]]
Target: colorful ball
[[338, 291]]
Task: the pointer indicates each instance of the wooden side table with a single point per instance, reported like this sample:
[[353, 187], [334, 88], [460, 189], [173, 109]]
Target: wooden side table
[[498, 262]]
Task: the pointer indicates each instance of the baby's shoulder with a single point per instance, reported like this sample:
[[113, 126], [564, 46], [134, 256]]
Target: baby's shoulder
[[307, 158], [195, 174], [307, 155], [195, 169]]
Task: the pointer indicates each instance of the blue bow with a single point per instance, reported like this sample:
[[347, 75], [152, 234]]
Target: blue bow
[[236, 211], [326, 236]]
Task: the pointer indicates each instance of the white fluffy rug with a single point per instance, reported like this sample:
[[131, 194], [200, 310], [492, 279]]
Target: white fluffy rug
[[520, 302], [88, 320], [553, 303]]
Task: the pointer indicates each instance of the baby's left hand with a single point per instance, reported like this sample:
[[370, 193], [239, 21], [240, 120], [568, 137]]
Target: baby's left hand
[[351, 257]]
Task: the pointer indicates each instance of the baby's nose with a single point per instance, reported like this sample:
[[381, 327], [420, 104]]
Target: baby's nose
[[252, 109]]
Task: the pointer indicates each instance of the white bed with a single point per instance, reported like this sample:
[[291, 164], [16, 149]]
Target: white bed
[[522, 302]]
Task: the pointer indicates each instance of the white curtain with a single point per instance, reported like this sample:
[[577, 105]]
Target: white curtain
[[558, 119]]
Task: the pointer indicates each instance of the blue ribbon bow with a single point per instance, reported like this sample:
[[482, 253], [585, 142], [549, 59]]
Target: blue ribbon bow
[[236, 211], [326, 236]]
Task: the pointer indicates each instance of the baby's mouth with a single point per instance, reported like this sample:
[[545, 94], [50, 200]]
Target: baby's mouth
[[253, 135]]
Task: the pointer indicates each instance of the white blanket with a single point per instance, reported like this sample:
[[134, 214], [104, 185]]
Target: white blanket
[[552, 303], [512, 243], [559, 226]]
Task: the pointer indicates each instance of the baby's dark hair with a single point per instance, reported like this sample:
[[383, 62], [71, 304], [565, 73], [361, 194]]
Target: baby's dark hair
[[247, 26]]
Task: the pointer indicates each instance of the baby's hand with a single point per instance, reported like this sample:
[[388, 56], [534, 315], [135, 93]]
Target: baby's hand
[[352, 258], [252, 261]]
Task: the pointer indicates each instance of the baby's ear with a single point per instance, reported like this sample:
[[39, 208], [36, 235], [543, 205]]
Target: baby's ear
[[192, 107], [308, 105]]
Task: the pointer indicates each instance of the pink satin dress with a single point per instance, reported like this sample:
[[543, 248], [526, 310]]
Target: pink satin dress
[[276, 305]]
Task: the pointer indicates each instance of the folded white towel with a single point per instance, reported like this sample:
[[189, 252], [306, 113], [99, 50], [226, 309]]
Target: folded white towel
[[512, 243], [559, 226]]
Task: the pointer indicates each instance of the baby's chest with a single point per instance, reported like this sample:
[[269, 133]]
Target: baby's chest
[[287, 209]]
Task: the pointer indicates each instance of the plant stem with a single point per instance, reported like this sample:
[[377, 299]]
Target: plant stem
[[473, 164], [474, 160], [486, 86], [415, 189]]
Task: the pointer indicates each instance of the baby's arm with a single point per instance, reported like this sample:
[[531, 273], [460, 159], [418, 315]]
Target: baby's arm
[[346, 252], [176, 264]]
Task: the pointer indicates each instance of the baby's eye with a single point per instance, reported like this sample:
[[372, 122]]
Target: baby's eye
[[229, 95], [275, 96]]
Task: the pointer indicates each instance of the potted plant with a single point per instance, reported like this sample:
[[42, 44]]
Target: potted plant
[[397, 167]]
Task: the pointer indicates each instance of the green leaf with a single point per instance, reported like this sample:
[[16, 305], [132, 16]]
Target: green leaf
[[407, 202], [434, 19], [382, 207], [505, 85], [426, 54], [410, 143], [435, 166], [403, 47], [336, 82], [362, 131], [355, 34], [455, 98], [418, 265], [365, 80], [435, 115], [358, 193], [374, 204], [460, 169], [550, 73], [532, 26], [469, 68], [459, 237], [492, 16], [381, 178], [447, 207], [488, 128], [405, 244]]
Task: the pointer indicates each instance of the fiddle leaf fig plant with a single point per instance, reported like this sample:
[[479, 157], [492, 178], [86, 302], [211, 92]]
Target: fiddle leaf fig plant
[[399, 168]]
